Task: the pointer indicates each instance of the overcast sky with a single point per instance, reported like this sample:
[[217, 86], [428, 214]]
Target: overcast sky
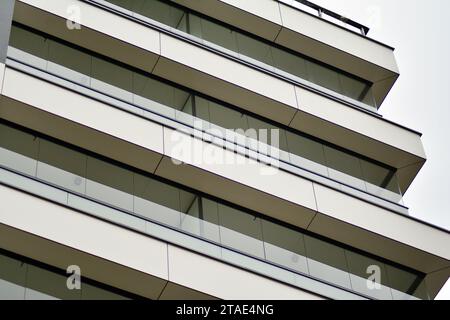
[[420, 99]]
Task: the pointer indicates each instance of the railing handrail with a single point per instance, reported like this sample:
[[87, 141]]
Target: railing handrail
[[364, 30]]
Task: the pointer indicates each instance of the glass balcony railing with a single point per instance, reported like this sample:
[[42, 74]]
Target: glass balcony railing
[[24, 280], [230, 38], [147, 92], [138, 194], [328, 15]]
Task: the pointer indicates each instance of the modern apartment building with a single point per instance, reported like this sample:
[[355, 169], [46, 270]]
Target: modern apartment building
[[116, 161]]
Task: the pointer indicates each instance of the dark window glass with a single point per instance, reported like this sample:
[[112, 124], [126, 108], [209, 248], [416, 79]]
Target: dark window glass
[[188, 211], [46, 285], [30, 42], [327, 261], [109, 183], [18, 150], [12, 278], [284, 246], [234, 40], [25, 281], [134, 87], [69, 57], [361, 268], [241, 230], [402, 282]]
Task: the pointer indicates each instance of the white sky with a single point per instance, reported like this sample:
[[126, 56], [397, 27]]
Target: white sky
[[420, 32]]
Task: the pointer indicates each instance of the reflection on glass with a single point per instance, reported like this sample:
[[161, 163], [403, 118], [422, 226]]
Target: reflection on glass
[[327, 261], [29, 42], [361, 268], [109, 183], [284, 246], [25, 281], [193, 213], [139, 88], [68, 171], [12, 278], [404, 284], [241, 231], [252, 47], [18, 150], [111, 78], [65, 60]]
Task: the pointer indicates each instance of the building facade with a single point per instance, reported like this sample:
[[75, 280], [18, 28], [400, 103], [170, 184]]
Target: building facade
[[213, 149]]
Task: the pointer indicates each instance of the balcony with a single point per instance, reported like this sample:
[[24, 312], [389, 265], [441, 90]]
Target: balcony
[[138, 198], [99, 123], [173, 55], [41, 106], [298, 151], [266, 55], [297, 25]]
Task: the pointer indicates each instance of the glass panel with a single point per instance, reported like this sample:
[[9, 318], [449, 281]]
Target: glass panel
[[202, 109], [168, 100], [241, 231], [346, 167], [230, 38], [284, 246], [156, 200], [30, 42], [219, 115], [255, 49], [380, 176], [356, 89], [306, 148], [327, 261], [31, 294], [48, 283], [19, 141], [12, 278], [262, 126], [194, 26], [89, 292], [109, 183], [158, 91], [159, 11], [18, 150], [62, 166], [216, 33], [209, 219], [183, 23], [323, 76], [202, 219], [112, 79], [127, 4], [289, 62], [24, 281], [70, 63], [402, 281], [420, 293], [360, 268]]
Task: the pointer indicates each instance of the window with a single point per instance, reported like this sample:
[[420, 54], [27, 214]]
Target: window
[[21, 280], [327, 261], [241, 231], [252, 47], [284, 246], [144, 195], [148, 92]]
